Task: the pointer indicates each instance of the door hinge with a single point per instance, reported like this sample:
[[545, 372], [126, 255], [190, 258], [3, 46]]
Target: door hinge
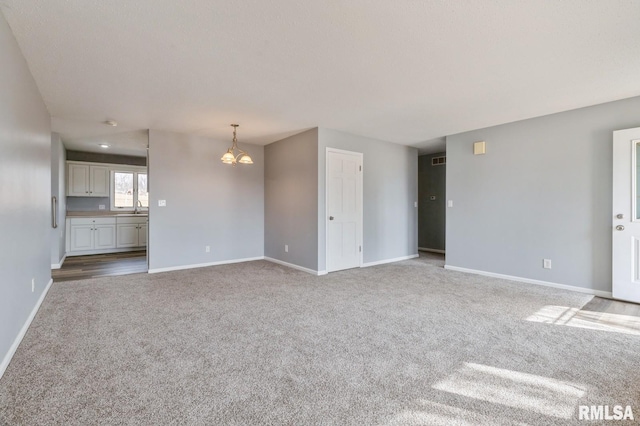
[[360, 247], [360, 168]]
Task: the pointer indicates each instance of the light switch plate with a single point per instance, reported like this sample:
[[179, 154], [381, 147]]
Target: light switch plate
[[479, 148], [162, 203], [450, 203]]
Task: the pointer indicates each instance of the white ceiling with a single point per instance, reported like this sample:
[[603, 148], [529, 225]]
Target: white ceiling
[[408, 71]]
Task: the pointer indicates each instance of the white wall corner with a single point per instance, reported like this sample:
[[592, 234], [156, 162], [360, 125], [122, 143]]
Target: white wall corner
[[203, 265], [395, 259], [294, 266], [59, 265]]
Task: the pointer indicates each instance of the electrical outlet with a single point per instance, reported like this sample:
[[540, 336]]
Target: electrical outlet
[[207, 249], [33, 285], [101, 206], [286, 248], [162, 203], [546, 263]]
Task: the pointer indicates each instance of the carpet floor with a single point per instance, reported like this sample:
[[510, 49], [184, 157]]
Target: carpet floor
[[408, 343]]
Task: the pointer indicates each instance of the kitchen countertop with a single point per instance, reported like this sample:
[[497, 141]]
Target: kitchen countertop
[[105, 214]]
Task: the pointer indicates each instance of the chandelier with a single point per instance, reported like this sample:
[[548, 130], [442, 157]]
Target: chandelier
[[230, 156]]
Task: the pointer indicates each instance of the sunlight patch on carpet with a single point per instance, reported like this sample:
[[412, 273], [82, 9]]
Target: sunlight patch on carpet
[[539, 394], [575, 317]]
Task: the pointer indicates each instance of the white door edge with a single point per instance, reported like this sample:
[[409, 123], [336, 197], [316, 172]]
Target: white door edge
[[326, 204]]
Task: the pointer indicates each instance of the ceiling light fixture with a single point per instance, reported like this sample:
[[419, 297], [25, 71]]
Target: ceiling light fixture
[[230, 156], [104, 145], [111, 123]]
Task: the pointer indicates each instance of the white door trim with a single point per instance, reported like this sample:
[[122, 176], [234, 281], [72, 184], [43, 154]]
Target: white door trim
[[326, 203]]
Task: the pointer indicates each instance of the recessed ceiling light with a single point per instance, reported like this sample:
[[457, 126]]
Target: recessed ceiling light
[[104, 145], [111, 123]]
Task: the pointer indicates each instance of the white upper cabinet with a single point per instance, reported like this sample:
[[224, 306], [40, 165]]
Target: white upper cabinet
[[99, 181], [87, 180], [78, 180]]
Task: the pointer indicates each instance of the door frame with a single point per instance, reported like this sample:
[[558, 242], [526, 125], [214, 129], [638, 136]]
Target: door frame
[[360, 184]]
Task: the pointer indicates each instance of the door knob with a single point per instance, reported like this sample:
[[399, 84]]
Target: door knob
[[330, 217], [619, 228], [620, 216]]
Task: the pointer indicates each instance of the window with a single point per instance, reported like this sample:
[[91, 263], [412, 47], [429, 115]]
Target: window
[[129, 190], [143, 194], [438, 161]]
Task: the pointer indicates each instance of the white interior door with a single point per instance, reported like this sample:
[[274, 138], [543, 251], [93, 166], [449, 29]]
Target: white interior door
[[626, 215], [344, 210]]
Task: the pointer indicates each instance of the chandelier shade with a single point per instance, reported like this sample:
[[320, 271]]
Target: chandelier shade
[[230, 156]]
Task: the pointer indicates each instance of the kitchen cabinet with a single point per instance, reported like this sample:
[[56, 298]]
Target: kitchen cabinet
[[88, 234], [132, 231], [106, 234], [87, 180]]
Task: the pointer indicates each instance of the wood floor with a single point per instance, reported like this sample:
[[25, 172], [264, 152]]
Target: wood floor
[[610, 306], [83, 267]]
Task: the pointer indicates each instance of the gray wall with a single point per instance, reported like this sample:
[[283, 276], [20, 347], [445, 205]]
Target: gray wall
[[58, 189], [431, 213], [87, 204], [98, 157], [208, 202], [291, 199], [390, 176], [543, 190], [25, 189]]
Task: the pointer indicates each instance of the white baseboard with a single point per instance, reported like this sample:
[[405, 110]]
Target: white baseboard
[[431, 250], [59, 265], [293, 266], [203, 265], [395, 259], [599, 293], [23, 331]]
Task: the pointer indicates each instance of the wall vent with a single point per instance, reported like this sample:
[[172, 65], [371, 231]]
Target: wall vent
[[438, 161]]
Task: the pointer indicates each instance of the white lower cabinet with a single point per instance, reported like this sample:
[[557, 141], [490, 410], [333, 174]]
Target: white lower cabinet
[[87, 233], [127, 235], [132, 232], [94, 235], [81, 237], [104, 236], [142, 235]]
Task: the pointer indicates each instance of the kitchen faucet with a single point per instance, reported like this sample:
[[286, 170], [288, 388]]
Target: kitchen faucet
[[136, 211]]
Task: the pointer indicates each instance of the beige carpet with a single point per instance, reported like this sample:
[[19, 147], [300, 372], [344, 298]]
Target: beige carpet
[[256, 343]]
